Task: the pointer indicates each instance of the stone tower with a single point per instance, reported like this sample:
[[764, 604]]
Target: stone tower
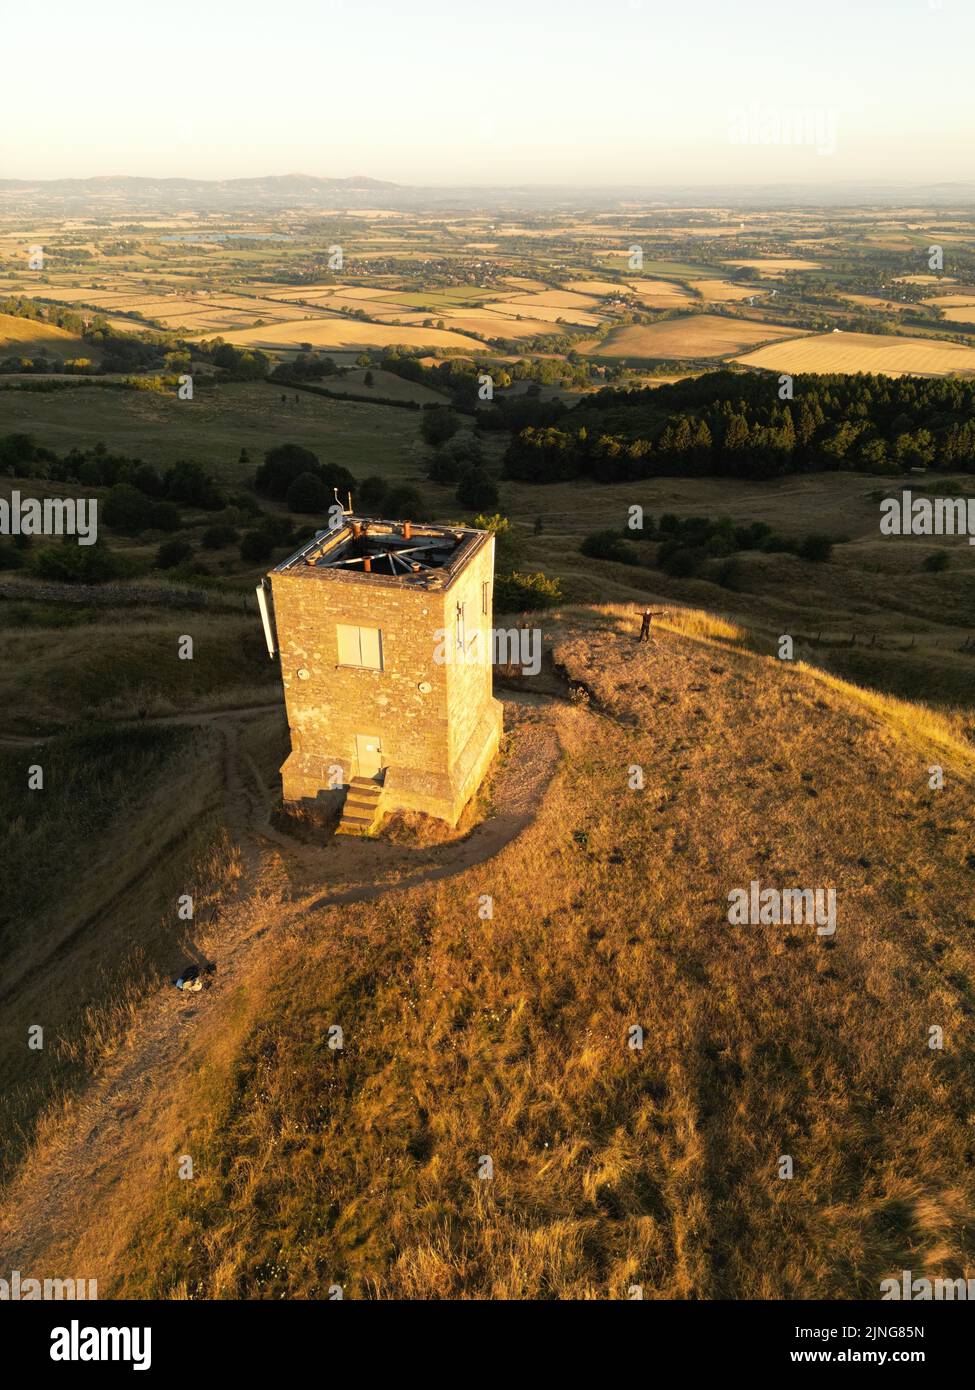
[[384, 634]]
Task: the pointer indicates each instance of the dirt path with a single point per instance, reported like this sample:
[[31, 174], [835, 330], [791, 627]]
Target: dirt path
[[105, 1134]]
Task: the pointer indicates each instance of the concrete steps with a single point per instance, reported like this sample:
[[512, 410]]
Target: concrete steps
[[362, 810]]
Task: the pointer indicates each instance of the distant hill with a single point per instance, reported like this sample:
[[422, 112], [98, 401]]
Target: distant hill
[[132, 192], [125, 191]]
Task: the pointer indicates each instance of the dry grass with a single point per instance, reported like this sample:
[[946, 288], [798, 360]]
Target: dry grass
[[125, 816], [507, 1037], [23, 337]]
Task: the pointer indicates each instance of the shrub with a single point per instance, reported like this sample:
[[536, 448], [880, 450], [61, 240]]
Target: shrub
[[307, 494], [172, 553], [520, 593], [283, 464], [477, 489], [147, 480], [816, 547], [255, 546], [443, 468], [164, 516], [937, 561], [608, 545], [680, 561], [404, 503], [439, 424], [77, 564], [127, 509], [11, 559], [190, 483], [216, 537]]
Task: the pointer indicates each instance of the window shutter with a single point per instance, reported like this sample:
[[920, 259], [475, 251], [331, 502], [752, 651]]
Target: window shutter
[[348, 645], [371, 643]]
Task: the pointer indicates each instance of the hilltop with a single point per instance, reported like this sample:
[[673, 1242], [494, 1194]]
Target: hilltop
[[469, 1036]]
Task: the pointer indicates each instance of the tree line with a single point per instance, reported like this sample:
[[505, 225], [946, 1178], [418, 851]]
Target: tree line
[[727, 424]]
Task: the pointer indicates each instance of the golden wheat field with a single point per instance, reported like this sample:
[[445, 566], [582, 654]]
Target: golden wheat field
[[699, 335], [722, 291], [957, 308], [778, 265], [341, 333], [864, 352], [532, 308]]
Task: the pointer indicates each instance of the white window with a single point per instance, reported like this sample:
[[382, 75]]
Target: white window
[[360, 646]]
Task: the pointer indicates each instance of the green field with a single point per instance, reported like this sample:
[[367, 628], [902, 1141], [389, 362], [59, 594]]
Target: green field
[[217, 424]]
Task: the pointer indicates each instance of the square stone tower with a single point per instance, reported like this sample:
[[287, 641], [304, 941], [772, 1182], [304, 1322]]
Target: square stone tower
[[384, 635]]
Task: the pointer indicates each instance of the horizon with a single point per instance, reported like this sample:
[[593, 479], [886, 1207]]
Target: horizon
[[638, 97]]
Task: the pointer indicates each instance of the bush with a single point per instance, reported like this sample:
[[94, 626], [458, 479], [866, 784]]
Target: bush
[[477, 489], [444, 468], [816, 547], [452, 458], [404, 503], [608, 545], [307, 494], [937, 561], [172, 553], [680, 561], [439, 424], [127, 509], [283, 464], [520, 593], [164, 516], [147, 480], [255, 546], [216, 537], [11, 559], [77, 564], [190, 483]]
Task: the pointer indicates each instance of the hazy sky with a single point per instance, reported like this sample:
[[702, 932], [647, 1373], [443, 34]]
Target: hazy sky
[[511, 91]]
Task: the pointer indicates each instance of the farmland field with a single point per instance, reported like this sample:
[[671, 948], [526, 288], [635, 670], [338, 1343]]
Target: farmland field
[[342, 333], [700, 335], [864, 352]]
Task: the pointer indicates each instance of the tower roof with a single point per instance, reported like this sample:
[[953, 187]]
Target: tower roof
[[371, 551]]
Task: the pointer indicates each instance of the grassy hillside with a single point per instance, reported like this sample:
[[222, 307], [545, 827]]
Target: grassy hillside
[[507, 1037], [25, 337], [125, 816], [217, 424], [99, 664]]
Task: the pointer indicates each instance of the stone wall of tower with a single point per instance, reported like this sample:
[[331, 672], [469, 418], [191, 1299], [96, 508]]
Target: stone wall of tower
[[438, 722]]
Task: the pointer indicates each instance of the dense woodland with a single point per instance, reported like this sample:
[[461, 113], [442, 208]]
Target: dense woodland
[[729, 424]]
